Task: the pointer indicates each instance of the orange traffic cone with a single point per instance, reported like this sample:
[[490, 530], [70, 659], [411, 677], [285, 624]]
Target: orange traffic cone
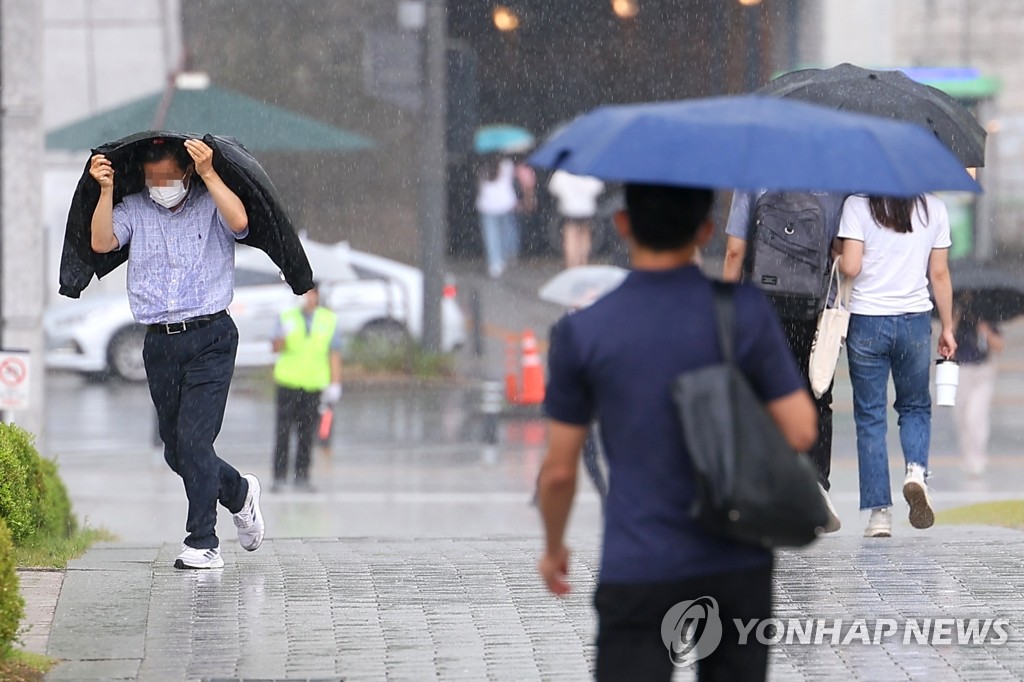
[[533, 373], [511, 370]]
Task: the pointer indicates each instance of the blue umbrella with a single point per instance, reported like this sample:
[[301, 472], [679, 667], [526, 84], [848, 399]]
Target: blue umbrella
[[751, 142], [502, 138]]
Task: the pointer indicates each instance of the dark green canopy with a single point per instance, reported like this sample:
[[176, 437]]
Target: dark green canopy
[[259, 126]]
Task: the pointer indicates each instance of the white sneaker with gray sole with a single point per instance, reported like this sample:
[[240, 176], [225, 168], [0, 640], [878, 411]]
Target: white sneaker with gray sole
[[198, 559], [249, 519], [915, 492], [833, 524], [880, 523]]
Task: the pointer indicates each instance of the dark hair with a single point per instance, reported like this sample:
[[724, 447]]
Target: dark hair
[[665, 218], [162, 148], [488, 167], [896, 213]]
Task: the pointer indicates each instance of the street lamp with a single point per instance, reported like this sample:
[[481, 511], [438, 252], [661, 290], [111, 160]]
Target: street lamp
[[505, 19], [626, 9]]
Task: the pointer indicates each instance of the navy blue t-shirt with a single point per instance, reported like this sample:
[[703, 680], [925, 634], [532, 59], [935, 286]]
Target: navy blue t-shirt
[[615, 362]]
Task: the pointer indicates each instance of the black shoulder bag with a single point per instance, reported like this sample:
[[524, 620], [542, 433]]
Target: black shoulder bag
[[750, 484]]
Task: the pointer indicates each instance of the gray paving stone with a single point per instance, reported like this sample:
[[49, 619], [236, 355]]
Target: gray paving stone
[[473, 609]]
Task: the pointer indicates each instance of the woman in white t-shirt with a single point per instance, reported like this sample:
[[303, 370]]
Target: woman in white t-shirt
[[576, 196], [892, 248], [496, 202]]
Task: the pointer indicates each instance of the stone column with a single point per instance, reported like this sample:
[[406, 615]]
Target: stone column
[[22, 258]]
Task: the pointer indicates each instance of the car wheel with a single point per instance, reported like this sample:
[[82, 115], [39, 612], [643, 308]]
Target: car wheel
[[384, 333], [124, 355]]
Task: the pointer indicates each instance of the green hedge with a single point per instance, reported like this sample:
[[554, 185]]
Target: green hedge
[[11, 603], [33, 500]]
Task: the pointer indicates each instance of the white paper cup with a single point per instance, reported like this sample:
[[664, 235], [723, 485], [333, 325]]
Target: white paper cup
[[947, 376]]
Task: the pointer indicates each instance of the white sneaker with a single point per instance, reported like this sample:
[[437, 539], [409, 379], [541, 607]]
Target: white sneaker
[[880, 523], [192, 558], [915, 492], [833, 524], [249, 520]]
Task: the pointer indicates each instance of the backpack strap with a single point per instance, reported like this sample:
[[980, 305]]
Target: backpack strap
[[725, 317]]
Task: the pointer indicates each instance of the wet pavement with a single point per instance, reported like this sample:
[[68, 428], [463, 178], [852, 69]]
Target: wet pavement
[[473, 609], [415, 555]]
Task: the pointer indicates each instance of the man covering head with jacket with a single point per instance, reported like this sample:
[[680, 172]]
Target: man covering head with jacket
[[182, 229]]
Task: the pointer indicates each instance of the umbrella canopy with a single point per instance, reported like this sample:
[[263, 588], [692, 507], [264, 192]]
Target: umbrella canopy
[[751, 142], [991, 293], [502, 138], [890, 94], [259, 126], [580, 286]]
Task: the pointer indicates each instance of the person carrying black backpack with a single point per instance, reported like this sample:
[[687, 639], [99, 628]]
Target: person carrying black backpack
[[781, 243]]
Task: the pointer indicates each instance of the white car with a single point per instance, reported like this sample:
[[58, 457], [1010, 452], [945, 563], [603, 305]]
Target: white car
[[374, 297]]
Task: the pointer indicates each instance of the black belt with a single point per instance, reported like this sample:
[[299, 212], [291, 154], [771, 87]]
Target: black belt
[[186, 325]]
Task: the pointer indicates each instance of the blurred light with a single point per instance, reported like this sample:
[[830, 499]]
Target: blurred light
[[750, 3], [449, 291], [505, 19], [625, 9], [994, 126], [412, 14]]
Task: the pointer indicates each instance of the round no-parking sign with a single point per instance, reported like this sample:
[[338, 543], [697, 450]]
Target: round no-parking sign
[[14, 380]]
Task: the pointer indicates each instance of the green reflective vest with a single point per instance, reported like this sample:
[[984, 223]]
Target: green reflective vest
[[305, 359]]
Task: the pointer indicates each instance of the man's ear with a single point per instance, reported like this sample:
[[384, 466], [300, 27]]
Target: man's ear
[[622, 224], [705, 232]]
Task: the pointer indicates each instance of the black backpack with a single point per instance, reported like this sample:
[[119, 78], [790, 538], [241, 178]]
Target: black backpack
[[788, 253]]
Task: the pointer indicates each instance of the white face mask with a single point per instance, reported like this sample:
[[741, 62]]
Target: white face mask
[[169, 196]]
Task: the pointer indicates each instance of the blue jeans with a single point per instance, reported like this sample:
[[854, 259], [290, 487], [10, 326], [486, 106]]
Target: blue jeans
[[501, 239], [876, 346]]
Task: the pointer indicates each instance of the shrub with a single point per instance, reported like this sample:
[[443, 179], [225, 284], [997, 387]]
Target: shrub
[[56, 520], [33, 500], [11, 603], [20, 482]]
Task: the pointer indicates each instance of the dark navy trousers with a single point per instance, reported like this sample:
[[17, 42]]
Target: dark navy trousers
[[189, 376]]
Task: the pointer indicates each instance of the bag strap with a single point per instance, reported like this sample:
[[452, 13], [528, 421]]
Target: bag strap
[[725, 317], [844, 287]]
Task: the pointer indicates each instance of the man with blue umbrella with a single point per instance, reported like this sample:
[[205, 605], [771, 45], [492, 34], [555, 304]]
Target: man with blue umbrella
[[616, 361]]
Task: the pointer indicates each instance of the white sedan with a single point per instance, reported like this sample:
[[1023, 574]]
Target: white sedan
[[374, 297]]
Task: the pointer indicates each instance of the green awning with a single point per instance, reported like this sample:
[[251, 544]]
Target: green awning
[[257, 125]]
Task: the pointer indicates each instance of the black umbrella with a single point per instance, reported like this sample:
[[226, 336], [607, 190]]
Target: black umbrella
[[890, 94], [984, 290]]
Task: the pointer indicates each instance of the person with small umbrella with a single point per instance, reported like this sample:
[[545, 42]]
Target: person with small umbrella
[[182, 230], [496, 203], [978, 341]]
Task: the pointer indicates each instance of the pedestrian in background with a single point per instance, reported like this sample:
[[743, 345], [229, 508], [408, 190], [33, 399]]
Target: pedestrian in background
[[308, 370], [977, 342], [892, 248], [496, 204], [741, 229], [616, 361], [576, 196], [182, 231]]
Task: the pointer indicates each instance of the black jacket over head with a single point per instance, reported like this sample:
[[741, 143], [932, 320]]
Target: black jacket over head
[[270, 229]]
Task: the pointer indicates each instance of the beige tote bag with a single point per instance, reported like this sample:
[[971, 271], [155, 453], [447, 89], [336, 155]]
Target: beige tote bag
[[830, 336]]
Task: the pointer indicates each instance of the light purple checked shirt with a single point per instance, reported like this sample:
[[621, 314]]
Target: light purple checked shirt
[[181, 263]]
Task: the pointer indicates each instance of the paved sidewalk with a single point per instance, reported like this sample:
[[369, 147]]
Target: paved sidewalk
[[474, 609]]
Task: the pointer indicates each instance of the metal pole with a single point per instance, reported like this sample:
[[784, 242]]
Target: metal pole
[[433, 162]]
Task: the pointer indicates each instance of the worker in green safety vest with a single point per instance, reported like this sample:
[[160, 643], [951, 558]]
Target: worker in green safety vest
[[307, 372]]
